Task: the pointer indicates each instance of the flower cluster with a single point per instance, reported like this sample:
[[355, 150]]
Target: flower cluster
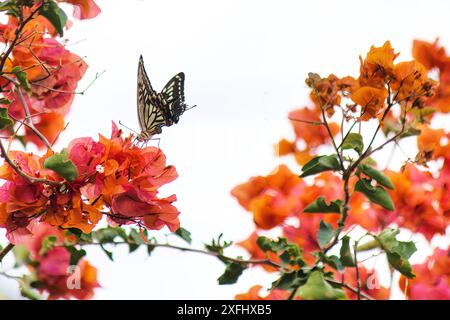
[[51, 266], [434, 57], [90, 179], [401, 99], [433, 278]]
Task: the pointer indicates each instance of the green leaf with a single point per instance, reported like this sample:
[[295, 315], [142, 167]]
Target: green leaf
[[325, 233], [400, 264], [21, 254], [289, 280], [334, 262], [267, 244], [55, 15], [62, 165], [369, 161], [4, 101], [320, 164], [232, 273], [410, 132], [5, 120], [107, 252], [398, 252], [375, 194], [7, 5], [388, 240], [132, 247], [405, 249], [353, 141], [346, 253], [289, 253], [80, 236], [48, 243], [218, 245], [29, 293], [370, 245], [150, 249], [378, 176], [76, 232], [320, 206], [184, 234], [75, 254], [22, 77], [317, 288], [108, 234], [423, 112], [136, 237], [11, 8]]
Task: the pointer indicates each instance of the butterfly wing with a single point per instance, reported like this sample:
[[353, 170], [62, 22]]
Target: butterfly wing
[[150, 115], [173, 93]]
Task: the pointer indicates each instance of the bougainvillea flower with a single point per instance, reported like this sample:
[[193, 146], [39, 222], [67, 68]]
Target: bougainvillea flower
[[410, 80], [377, 66], [51, 266], [369, 282], [309, 134], [312, 135], [416, 195], [382, 57], [371, 217], [434, 56], [326, 92], [49, 124], [84, 9], [255, 252], [57, 89], [371, 100], [348, 85], [305, 234], [86, 154], [271, 199], [432, 279], [431, 55], [429, 141]]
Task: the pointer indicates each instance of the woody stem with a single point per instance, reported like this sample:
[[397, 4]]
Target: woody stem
[[5, 251]]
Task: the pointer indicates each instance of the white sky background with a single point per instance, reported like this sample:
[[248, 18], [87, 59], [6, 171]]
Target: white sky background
[[245, 64]]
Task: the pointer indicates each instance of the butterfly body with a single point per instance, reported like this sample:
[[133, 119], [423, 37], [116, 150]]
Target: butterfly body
[[156, 110]]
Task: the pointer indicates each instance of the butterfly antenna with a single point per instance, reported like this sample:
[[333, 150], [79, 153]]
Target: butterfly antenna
[[128, 128], [189, 108]]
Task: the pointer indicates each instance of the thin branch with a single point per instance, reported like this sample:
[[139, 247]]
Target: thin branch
[[330, 134], [5, 251], [30, 121], [97, 75], [354, 290], [358, 282], [313, 123], [210, 253], [347, 134], [292, 294]]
